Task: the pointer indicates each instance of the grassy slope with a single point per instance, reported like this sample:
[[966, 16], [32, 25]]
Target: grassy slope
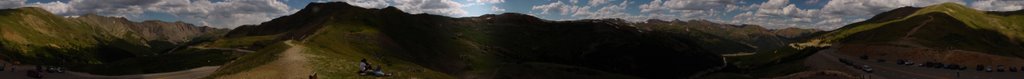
[[35, 36], [976, 24], [339, 47], [994, 34], [1008, 25]]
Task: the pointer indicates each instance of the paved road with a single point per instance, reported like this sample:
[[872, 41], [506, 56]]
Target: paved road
[[829, 60]]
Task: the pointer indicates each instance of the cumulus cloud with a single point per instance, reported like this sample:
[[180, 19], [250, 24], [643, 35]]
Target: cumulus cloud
[[497, 9], [441, 7], [998, 5], [595, 2], [487, 1], [556, 6], [229, 13], [120, 8], [11, 3], [53, 7], [677, 5]]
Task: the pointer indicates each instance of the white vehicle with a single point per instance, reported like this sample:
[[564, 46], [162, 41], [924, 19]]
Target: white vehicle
[[866, 68], [988, 69]]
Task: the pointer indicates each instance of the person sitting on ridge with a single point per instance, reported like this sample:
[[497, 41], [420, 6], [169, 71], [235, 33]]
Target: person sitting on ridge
[[364, 67]]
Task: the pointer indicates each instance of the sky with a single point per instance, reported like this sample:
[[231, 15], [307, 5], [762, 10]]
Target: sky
[[774, 14]]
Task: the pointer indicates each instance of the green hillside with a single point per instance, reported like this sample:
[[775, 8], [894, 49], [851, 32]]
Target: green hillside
[[98, 44], [943, 26]]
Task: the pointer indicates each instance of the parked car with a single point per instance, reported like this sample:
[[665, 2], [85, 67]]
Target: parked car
[[988, 68], [866, 68], [904, 62], [864, 57], [54, 69]]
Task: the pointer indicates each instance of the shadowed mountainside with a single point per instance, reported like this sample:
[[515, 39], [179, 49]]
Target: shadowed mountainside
[[502, 46]]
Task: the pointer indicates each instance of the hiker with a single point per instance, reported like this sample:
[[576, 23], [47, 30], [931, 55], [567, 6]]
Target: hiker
[[380, 73], [364, 67]]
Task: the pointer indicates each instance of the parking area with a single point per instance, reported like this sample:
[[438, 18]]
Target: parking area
[[876, 68]]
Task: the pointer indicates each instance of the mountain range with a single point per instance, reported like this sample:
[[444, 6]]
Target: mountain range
[[329, 39]]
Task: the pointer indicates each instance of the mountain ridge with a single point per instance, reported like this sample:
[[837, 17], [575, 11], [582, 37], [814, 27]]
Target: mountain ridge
[[35, 36], [467, 46]]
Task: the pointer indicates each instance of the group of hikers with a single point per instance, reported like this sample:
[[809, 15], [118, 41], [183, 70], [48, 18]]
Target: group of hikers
[[365, 68]]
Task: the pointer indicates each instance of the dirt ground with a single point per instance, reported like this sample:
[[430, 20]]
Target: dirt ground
[[921, 55], [292, 64]]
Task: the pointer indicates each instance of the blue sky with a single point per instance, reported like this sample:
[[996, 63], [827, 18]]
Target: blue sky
[[816, 14]]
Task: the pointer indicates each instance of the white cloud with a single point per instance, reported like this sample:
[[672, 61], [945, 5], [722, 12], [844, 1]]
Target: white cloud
[[487, 1], [552, 6], [998, 5], [53, 7], [229, 13], [595, 2], [784, 8], [4, 4], [497, 9], [678, 5], [441, 7]]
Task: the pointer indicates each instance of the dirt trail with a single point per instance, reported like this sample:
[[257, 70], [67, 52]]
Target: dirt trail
[[215, 48], [912, 31], [291, 64]]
